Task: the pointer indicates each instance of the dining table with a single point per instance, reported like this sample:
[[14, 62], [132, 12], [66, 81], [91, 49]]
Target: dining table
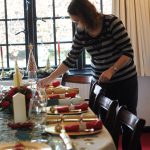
[[45, 138], [88, 141]]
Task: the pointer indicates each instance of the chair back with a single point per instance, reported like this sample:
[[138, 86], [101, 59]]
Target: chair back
[[131, 127], [107, 112], [95, 91], [102, 106], [81, 79]]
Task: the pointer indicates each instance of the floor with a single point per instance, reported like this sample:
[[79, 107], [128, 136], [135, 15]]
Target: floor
[[145, 140]]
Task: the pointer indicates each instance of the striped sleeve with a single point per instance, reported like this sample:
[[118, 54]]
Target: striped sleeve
[[77, 48], [121, 37]]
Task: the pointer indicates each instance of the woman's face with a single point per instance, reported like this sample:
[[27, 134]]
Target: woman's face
[[78, 21]]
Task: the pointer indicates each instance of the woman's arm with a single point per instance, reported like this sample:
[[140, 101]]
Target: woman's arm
[[73, 55], [120, 63], [59, 71]]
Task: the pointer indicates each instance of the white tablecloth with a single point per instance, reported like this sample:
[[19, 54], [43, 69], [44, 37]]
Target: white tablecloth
[[101, 141], [98, 141]]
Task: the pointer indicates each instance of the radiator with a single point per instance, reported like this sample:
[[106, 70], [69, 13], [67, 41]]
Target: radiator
[[83, 89]]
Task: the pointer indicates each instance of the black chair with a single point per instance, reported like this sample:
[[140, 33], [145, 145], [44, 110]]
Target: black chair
[[81, 79], [107, 112], [93, 97], [103, 107], [130, 126]]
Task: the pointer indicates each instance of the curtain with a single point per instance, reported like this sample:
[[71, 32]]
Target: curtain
[[135, 15]]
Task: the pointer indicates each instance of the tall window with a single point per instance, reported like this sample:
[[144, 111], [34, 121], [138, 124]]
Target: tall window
[[12, 32], [44, 23]]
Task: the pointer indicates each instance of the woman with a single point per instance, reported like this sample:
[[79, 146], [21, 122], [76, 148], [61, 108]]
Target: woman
[[106, 40]]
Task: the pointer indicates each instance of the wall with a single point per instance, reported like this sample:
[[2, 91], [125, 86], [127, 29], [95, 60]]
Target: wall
[[144, 99]]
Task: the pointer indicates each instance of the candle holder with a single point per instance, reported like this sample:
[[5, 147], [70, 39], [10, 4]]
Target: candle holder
[[59, 60], [2, 73], [48, 65]]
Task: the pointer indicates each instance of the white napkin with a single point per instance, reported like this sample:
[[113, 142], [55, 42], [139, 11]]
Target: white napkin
[[69, 101], [66, 139]]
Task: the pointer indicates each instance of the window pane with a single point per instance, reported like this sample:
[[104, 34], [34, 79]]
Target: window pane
[[44, 8], [2, 32], [19, 53], [45, 31], [64, 30], [64, 49], [96, 4], [61, 7], [2, 14], [107, 6], [16, 32], [45, 51], [15, 8]]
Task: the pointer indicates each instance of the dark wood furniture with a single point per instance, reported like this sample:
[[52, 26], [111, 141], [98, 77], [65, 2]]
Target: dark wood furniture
[[103, 107], [81, 79], [130, 126], [107, 112]]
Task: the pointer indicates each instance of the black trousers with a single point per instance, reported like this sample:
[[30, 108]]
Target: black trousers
[[126, 92]]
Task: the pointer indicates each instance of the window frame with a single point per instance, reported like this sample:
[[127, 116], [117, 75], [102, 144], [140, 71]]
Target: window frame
[[31, 34]]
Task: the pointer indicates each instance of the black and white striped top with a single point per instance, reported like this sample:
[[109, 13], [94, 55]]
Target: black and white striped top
[[105, 49]]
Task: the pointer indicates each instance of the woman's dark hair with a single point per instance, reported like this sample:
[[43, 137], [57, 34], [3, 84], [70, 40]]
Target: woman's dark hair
[[85, 10]]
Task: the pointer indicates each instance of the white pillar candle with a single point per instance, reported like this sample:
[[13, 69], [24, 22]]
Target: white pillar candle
[[19, 108]]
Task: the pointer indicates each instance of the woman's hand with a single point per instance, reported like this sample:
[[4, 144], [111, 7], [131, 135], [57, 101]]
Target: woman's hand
[[47, 81], [106, 75], [42, 83]]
